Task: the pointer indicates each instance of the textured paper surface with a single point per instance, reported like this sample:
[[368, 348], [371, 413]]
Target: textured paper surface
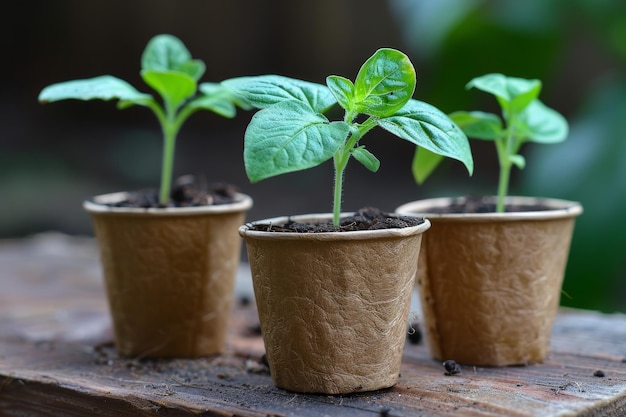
[[334, 311], [169, 280], [490, 290]]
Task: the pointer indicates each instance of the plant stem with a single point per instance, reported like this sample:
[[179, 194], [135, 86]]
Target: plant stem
[[341, 158], [170, 125], [505, 150], [338, 191], [503, 185], [169, 144]]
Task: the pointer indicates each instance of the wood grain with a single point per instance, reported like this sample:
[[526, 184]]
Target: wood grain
[[57, 359]]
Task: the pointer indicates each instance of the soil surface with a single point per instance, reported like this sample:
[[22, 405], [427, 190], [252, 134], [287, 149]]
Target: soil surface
[[480, 204], [187, 191], [367, 218]]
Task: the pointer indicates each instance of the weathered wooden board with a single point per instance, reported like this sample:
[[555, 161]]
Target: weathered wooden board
[[57, 359]]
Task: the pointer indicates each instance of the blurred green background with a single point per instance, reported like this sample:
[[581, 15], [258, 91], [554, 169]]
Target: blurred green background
[[54, 156]]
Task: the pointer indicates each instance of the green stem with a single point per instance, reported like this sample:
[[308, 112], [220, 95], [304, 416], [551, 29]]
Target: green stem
[[503, 185], [341, 158], [505, 150], [169, 145], [170, 125], [340, 167]]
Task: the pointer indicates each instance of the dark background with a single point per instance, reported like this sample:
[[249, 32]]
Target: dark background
[[53, 156]]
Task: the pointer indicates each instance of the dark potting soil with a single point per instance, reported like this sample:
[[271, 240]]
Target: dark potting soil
[[367, 218], [187, 191], [479, 204]]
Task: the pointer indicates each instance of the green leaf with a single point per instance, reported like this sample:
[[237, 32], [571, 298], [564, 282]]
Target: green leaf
[[217, 98], [428, 127], [518, 160], [384, 84], [194, 68], [105, 87], [221, 105], [164, 53], [478, 125], [287, 137], [175, 87], [217, 89], [343, 90], [513, 93], [424, 163], [366, 158], [543, 124], [265, 90]]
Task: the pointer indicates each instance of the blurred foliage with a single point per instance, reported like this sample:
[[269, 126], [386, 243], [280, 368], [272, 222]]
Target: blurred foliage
[[578, 49], [590, 167], [55, 156]]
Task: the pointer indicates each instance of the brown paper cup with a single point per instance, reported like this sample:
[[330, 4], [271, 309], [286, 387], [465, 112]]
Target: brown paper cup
[[490, 283], [333, 306], [169, 274]]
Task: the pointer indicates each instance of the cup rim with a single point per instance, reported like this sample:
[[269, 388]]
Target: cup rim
[[99, 204], [245, 232]]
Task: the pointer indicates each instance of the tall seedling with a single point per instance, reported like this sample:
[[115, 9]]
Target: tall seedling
[[291, 132]]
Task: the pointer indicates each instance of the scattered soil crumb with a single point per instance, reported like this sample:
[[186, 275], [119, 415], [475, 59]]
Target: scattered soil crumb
[[451, 367]]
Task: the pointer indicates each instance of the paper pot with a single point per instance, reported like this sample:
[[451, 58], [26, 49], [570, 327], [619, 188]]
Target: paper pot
[[333, 307], [490, 283], [169, 274]]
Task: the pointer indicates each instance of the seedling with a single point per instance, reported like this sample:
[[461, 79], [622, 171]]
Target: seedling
[[168, 68], [524, 119], [291, 133]]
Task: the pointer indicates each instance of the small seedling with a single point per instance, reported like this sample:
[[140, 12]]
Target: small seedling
[[168, 68], [291, 133], [524, 119]]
